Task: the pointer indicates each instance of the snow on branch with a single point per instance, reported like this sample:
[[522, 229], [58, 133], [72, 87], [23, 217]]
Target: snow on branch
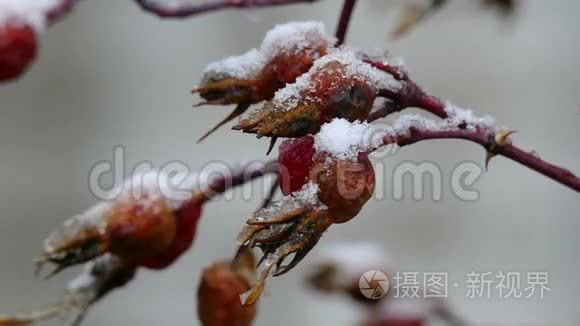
[[413, 128]]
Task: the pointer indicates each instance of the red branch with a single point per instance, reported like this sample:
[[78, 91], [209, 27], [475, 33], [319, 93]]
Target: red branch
[[344, 20], [488, 141], [188, 10], [226, 181], [56, 13], [411, 95]]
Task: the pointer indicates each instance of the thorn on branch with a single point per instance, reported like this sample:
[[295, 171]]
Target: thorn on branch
[[500, 139]]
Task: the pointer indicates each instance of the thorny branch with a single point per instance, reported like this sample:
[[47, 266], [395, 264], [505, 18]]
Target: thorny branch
[[496, 145], [188, 10], [411, 95]]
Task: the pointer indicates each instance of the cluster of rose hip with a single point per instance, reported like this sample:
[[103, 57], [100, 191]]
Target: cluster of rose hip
[[321, 98], [143, 228]]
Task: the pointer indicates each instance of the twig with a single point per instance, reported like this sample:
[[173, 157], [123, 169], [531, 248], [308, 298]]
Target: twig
[[491, 145], [188, 10], [228, 181], [411, 95], [344, 20], [56, 13]]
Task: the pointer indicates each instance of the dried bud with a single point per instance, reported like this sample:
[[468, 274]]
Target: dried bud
[[219, 292]]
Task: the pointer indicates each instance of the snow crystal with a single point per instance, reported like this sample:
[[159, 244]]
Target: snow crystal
[[32, 12], [344, 140], [308, 193], [285, 37], [458, 116], [295, 35], [354, 68], [403, 124], [245, 66]]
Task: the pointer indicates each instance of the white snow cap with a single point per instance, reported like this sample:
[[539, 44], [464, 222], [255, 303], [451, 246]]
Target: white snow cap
[[32, 12], [354, 68], [295, 35], [285, 37], [344, 140]]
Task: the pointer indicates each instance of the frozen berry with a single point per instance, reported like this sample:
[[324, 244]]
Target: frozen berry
[[345, 186], [187, 218], [295, 159], [141, 228], [17, 49], [219, 297]]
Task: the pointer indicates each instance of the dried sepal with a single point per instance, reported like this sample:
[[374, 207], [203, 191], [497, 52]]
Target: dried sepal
[[98, 279]]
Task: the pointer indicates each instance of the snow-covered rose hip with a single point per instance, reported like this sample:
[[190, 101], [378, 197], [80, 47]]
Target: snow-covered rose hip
[[339, 85], [18, 48], [141, 225], [339, 180], [287, 52]]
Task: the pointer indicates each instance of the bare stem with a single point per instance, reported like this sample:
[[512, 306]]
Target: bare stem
[[188, 10], [344, 20], [227, 181], [59, 11]]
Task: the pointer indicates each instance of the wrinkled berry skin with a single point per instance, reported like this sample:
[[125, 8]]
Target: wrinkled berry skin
[[140, 229], [295, 159], [186, 219], [219, 297], [18, 48], [345, 186]]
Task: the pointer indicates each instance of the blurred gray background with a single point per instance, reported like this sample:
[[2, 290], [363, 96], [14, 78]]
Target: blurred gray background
[[111, 75]]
